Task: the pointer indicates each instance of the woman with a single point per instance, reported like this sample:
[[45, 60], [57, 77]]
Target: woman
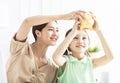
[[28, 63], [76, 66]]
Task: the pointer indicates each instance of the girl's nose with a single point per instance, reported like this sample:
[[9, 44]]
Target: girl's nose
[[80, 40]]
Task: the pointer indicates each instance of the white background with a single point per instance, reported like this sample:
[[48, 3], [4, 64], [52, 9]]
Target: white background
[[107, 11]]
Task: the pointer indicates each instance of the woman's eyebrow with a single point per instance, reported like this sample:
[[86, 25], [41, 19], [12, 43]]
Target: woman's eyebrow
[[50, 26], [53, 27]]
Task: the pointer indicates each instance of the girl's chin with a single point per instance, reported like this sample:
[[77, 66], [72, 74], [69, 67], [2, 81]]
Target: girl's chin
[[80, 51]]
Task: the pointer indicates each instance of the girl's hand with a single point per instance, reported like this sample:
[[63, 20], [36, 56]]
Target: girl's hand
[[95, 25], [76, 28]]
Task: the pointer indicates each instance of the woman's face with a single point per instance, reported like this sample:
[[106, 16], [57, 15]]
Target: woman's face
[[49, 34], [79, 43]]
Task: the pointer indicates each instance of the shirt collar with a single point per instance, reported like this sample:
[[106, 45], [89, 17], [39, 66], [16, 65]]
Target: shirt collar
[[73, 59]]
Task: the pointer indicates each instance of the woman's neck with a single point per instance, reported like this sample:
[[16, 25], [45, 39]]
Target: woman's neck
[[39, 50]]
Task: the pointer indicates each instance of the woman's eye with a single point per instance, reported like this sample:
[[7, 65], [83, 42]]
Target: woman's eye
[[50, 29], [57, 30]]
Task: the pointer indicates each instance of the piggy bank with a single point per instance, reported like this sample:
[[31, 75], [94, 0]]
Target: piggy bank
[[87, 22]]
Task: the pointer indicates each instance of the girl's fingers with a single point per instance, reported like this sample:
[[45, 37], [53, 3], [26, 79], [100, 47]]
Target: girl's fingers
[[77, 25]]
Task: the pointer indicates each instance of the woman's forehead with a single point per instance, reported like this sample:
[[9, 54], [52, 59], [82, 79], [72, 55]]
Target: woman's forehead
[[53, 23]]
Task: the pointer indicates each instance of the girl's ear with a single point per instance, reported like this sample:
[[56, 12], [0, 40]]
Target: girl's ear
[[38, 33]]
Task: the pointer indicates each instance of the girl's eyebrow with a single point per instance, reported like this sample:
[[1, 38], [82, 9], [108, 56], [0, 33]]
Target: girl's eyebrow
[[81, 35]]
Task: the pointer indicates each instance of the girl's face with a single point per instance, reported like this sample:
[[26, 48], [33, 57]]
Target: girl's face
[[79, 43], [49, 35]]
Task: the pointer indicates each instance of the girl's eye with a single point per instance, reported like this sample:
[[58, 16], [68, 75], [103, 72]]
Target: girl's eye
[[84, 38], [57, 30], [75, 38]]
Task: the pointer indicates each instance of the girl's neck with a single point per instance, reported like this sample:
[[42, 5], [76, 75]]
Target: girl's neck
[[79, 56]]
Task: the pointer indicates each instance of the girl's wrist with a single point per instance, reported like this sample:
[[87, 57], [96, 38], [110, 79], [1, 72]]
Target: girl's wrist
[[97, 30]]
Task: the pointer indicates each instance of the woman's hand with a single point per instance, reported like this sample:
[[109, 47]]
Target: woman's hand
[[73, 15]]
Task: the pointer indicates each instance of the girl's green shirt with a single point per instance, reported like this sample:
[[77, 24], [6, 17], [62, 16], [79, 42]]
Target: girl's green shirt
[[76, 71]]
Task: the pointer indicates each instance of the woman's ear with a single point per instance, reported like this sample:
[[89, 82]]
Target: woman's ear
[[38, 33]]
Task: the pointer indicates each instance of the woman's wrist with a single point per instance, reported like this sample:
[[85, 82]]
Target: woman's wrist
[[62, 17]]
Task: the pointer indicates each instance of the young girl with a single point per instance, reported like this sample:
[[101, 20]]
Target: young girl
[[77, 66]]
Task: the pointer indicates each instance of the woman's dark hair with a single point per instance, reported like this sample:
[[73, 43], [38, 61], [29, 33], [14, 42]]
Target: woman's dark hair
[[68, 49], [38, 27]]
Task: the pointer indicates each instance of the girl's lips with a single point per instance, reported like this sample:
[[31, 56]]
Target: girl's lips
[[80, 46]]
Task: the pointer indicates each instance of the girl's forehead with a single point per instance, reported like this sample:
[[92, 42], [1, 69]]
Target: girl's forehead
[[82, 33]]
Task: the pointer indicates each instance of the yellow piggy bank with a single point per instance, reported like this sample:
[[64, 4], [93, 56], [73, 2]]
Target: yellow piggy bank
[[87, 22]]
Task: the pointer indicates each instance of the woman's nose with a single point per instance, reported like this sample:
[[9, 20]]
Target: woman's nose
[[55, 33]]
